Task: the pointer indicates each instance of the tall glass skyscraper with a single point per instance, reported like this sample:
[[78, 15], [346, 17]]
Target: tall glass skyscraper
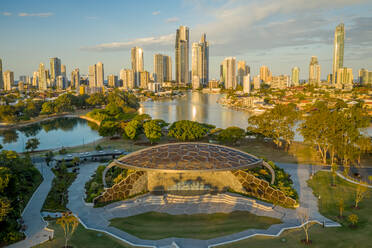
[[1, 75], [182, 55], [296, 76], [338, 50], [137, 63], [314, 71], [200, 63], [55, 68]]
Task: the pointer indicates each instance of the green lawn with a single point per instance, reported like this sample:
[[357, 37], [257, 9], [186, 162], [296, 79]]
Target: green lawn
[[82, 238], [154, 225], [342, 237]]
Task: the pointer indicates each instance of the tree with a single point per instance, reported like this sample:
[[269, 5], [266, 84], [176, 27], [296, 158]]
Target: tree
[[131, 129], [48, 157], [48, 108], [96, 99], [277, 123], [187, 130], [152, 130], [353, 219], [231, 134], [108, 128], [69, 223], [76, 161], [304, 217], [32, 144], [360, 193]]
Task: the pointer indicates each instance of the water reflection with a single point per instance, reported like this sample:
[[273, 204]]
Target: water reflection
[[51, 134], [196, 106]]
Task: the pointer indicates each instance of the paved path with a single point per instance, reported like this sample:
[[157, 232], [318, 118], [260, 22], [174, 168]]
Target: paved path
[[98, 218], [35, 225]]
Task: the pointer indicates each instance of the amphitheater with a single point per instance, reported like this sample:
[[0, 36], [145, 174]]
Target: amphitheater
[[190, 169]]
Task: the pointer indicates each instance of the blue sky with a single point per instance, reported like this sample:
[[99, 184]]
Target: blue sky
[[280, 34]]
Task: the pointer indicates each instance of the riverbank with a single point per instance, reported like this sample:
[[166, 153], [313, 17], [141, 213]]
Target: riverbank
[[76, 114]]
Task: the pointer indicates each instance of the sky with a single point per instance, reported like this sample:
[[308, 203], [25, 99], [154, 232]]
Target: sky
[[280, 34]]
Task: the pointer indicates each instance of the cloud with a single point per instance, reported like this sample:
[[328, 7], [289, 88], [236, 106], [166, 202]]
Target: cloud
[[6, 14], [156, 13], [239, 26], [23, 14], [172, 20], [150, 43]]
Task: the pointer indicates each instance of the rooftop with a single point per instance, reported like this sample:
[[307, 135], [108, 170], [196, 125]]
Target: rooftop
[[176, 157]]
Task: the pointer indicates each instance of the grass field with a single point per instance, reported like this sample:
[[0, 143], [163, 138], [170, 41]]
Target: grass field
[[82, 238], [154, 225], [342, 237]]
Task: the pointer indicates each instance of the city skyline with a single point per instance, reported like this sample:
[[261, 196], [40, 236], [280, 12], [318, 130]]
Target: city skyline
[[112, 45]]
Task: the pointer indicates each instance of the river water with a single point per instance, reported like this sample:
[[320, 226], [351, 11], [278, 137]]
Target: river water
[[66, 132]]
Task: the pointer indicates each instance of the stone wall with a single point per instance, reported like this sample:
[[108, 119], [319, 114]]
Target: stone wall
[[133, 184], [262, 190]]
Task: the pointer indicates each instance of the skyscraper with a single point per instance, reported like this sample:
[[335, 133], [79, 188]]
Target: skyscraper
[[8, 80], [265, 74], [63, 71], [137, 63], [55, 68], [144, 79], [200, 63], [247, 84], [314, 71], [182, 55], [338, 50], [1, 75], [35, 79], [100, 74], [296, 76], [75, 78], [228, 72], [112, 81], [127, 77], [162, 68], [344, 78], [243, 70], [363, 76], [43, 76], [92, 76]]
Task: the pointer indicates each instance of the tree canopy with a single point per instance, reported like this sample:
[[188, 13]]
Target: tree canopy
[[186, 130]]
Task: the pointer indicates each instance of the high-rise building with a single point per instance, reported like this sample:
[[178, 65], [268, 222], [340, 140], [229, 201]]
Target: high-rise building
[[127, 77], [75, 78], [247, 83], [21, 86], [144, 79], [280, 82], [182, 55], [363, 76], [257, 82], [228, 72], [314, 71], [296, 76], [1, 75], [137, 63], [243, 70], [8, 80], [92, 76], [112, 81], [35, 79], [370, 77], [100, 74], [55, 68], [63, 71], [162, 68], [265, 74], [61, 82], [338, 50], [344, 78], [200, 63], [43, 76]]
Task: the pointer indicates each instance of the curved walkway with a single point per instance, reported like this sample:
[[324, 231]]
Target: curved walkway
[[99, 218], [36, 231]]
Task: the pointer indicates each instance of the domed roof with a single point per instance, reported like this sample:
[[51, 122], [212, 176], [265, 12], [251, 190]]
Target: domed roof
[[178, 157]]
